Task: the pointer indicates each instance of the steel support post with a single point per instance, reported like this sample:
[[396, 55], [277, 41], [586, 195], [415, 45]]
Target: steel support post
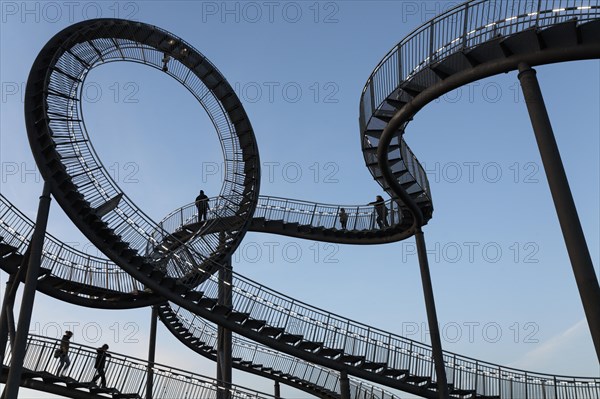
[[344, 385], [151, 352], [5, 319], [224, 348], [436, 342], [277, 390], [11, 390], [581, 262]]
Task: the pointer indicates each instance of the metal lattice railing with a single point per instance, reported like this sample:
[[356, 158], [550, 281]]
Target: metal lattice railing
[[63, 87], [126, 374], [250, 351], [459, 29], [63, 261], [305, 213]]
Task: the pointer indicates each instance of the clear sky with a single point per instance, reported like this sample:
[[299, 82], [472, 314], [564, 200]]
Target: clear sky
[[504, 288]]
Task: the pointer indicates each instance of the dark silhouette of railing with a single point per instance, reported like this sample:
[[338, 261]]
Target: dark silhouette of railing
[[377, 352], [63, 261], [289, 211], [124, 374], [463, 27], [258, 357]]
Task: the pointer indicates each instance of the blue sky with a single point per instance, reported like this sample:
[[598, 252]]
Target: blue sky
[[504, 288]]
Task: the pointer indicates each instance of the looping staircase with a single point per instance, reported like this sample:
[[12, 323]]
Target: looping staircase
[[184, 272]]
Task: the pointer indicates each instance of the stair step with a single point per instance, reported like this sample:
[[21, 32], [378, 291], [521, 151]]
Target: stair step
[[193, 296], [290, 338], [394, 373], [221, 309], [6, 249], [351, 359], [254, 324], [416, 379], [372, 365], [238, 317], [309, 345], [207, 302], [271, 331], [11, 262], [330, 352]]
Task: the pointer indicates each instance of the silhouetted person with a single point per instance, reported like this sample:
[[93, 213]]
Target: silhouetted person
[[99, 365], [202, 205], [381, 211], [63, 358], [343, 218]]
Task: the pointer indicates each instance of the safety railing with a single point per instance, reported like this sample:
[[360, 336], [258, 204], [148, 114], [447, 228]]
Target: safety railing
[[128, 375], [461, 28], [61, 100], [250, 351], [305, 213], [391, 350], [61, 260]]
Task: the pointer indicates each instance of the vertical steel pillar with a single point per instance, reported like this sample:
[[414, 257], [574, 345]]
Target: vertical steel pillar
[[277, 390], [581, 262], [224, 347], [344, 385], [151, 353], [436, 342], [11, 389], [5, 319]]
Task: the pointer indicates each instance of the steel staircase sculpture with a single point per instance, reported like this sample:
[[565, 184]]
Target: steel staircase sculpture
[[63, 271], [467, 43]]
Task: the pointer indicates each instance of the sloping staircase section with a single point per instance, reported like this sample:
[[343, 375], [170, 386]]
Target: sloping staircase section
[[85, 190], [520, 30], [66, 273], [126, 376], [201, 336]]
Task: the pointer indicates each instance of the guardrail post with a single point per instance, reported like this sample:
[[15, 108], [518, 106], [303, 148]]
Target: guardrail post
[[11, 389], [431, 41], [577, 248], [465, 26]]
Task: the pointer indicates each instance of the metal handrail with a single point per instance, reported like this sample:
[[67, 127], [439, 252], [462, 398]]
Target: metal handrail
[[61, 260], [128, 374], [305, 213], [459, 29], [248, 350]]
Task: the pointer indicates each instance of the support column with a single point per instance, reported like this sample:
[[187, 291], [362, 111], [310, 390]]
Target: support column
[[5, 313], [344, 385], [436, 343], [224, 347], [581, 262], [151, 353], [277, 390], [11, 389]]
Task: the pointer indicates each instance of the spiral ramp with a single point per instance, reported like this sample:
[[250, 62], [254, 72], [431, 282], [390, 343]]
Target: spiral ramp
[[183, 272]]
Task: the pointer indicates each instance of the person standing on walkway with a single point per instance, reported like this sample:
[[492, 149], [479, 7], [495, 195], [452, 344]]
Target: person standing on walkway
[[381, 211], [99, 365], [343, 218], [63, 356], [202, 205]]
